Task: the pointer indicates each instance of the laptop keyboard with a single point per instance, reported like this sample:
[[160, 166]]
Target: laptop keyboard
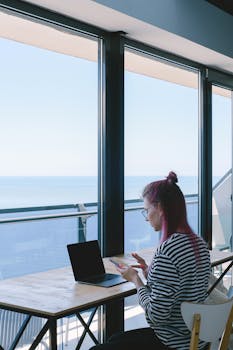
[[101, 278]]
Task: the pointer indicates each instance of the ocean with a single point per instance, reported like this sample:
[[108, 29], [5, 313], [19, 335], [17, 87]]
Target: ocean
[[34, 246], [29, 191]]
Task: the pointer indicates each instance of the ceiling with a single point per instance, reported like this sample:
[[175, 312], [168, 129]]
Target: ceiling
[[225, 5], [109, 19]]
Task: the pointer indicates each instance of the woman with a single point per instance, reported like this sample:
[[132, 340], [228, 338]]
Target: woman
[[178, 272]]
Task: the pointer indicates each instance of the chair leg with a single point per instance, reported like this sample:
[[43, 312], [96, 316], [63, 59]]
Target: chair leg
[[226, 335], [195, 332]]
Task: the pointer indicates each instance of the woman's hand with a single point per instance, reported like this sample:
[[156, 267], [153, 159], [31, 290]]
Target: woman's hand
[[131, 275], [141, 264]]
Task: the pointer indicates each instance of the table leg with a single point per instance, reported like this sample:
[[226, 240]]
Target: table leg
[[113, 324], [52, 334]]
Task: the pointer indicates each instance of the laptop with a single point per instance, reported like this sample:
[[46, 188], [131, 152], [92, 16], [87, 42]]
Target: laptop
[[88, 267]]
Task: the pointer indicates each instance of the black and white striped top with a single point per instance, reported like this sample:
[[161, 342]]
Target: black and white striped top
[[176, 274]]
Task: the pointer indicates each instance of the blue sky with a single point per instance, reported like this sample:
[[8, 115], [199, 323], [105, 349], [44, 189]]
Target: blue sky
[[49, 108]]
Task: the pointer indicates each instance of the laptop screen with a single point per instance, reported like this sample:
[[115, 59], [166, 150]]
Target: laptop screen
[[86, 259]]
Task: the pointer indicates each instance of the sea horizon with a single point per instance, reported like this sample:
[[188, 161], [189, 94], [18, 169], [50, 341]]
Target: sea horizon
[[29, 191]]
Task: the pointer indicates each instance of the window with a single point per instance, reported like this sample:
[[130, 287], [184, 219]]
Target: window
[[49, 117], [161, 134]]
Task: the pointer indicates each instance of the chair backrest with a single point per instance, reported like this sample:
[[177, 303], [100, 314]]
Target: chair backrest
[[208, 322]]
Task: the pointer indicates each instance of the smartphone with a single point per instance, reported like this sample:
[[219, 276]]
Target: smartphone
[[117, 264]]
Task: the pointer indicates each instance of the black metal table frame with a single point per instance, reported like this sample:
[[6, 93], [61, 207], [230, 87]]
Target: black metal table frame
[[51, 326]]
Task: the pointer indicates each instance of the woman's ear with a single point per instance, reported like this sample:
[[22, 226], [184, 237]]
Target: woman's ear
[[159, 208]]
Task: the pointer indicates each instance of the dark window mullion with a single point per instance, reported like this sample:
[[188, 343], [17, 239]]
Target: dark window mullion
[[111, 188], [205, 162], [111, 165]]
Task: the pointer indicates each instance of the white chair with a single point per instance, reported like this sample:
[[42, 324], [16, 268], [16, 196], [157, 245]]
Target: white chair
[[209, 322]]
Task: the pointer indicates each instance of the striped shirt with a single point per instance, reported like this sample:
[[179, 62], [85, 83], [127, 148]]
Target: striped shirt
[[176, 274]]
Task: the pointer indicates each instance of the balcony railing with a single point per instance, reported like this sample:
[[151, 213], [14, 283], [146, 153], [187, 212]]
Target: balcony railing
[[136, 205]]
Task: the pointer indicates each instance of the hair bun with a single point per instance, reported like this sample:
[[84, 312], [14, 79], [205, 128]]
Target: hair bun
[[172, 177]]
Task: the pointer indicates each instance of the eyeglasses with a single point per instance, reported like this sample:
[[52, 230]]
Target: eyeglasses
[[145, 213]]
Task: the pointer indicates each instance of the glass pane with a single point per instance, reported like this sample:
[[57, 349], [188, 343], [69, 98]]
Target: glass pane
[[222, 168], [161, 134], [49, 116]]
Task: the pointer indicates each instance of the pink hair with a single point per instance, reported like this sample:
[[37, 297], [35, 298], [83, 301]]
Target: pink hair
[[168, 194]]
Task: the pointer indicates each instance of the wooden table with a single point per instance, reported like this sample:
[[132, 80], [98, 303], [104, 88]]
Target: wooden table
[[54, 294], [217, 257]]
